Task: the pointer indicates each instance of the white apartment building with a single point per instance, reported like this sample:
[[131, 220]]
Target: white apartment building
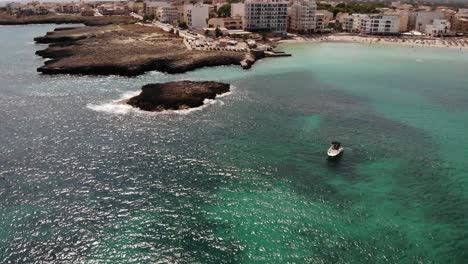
[[266, 15], [196, 16], [438, 27], [354, 22], [302, 14], [381, 24]]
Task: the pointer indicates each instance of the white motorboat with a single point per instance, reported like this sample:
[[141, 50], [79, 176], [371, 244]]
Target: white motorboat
[[335, 150]]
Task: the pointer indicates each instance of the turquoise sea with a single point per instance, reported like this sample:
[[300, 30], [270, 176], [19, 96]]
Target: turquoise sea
[[244, 179]]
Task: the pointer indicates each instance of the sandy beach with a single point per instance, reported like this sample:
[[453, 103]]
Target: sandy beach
[[457, 43]]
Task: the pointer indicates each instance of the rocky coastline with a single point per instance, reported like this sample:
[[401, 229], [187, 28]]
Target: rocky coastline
[[127, 50], [176, 95]]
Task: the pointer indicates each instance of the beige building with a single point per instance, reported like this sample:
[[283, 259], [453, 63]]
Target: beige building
[[226, 22], [460, 23], [168, 14], [320, 22], [151, 8], [323, 18], [302, 13], [237, 10], [328, 15], [340, 17], [404, 19], [70, 8], [136, 6]]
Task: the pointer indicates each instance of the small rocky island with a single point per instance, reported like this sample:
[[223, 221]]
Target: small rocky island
[[176, 95]]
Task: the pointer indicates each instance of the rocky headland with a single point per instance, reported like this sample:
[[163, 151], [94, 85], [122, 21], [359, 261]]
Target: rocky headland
[[176, 95], [127, 50], [6, 19]]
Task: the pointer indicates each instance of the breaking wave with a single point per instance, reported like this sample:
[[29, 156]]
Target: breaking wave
[[119, 106]]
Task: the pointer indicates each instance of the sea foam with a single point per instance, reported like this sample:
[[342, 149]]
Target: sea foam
[[119, 106]]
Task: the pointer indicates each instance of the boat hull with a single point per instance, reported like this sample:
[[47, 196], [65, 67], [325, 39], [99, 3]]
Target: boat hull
[[335, 153]]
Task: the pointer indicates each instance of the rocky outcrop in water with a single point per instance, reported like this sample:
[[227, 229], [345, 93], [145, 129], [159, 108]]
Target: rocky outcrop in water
[[176, 95], [127, 50]]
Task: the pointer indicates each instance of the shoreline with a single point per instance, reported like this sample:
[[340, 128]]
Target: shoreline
[[460, 44]]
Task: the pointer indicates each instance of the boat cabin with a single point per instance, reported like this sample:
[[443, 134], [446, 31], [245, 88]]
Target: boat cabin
[[336, 144]]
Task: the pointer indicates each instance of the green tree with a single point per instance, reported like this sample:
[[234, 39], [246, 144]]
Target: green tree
[[224, 10], [353, 7], [218, 32], [183, 25], [148, 17]]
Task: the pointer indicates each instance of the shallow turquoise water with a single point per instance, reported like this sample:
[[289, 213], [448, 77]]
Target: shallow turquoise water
[[243, 180]]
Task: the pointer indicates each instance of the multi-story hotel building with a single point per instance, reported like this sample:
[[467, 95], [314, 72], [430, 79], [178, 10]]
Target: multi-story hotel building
[[381, 24], [266, 15], [303, 16], [354, 22]]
